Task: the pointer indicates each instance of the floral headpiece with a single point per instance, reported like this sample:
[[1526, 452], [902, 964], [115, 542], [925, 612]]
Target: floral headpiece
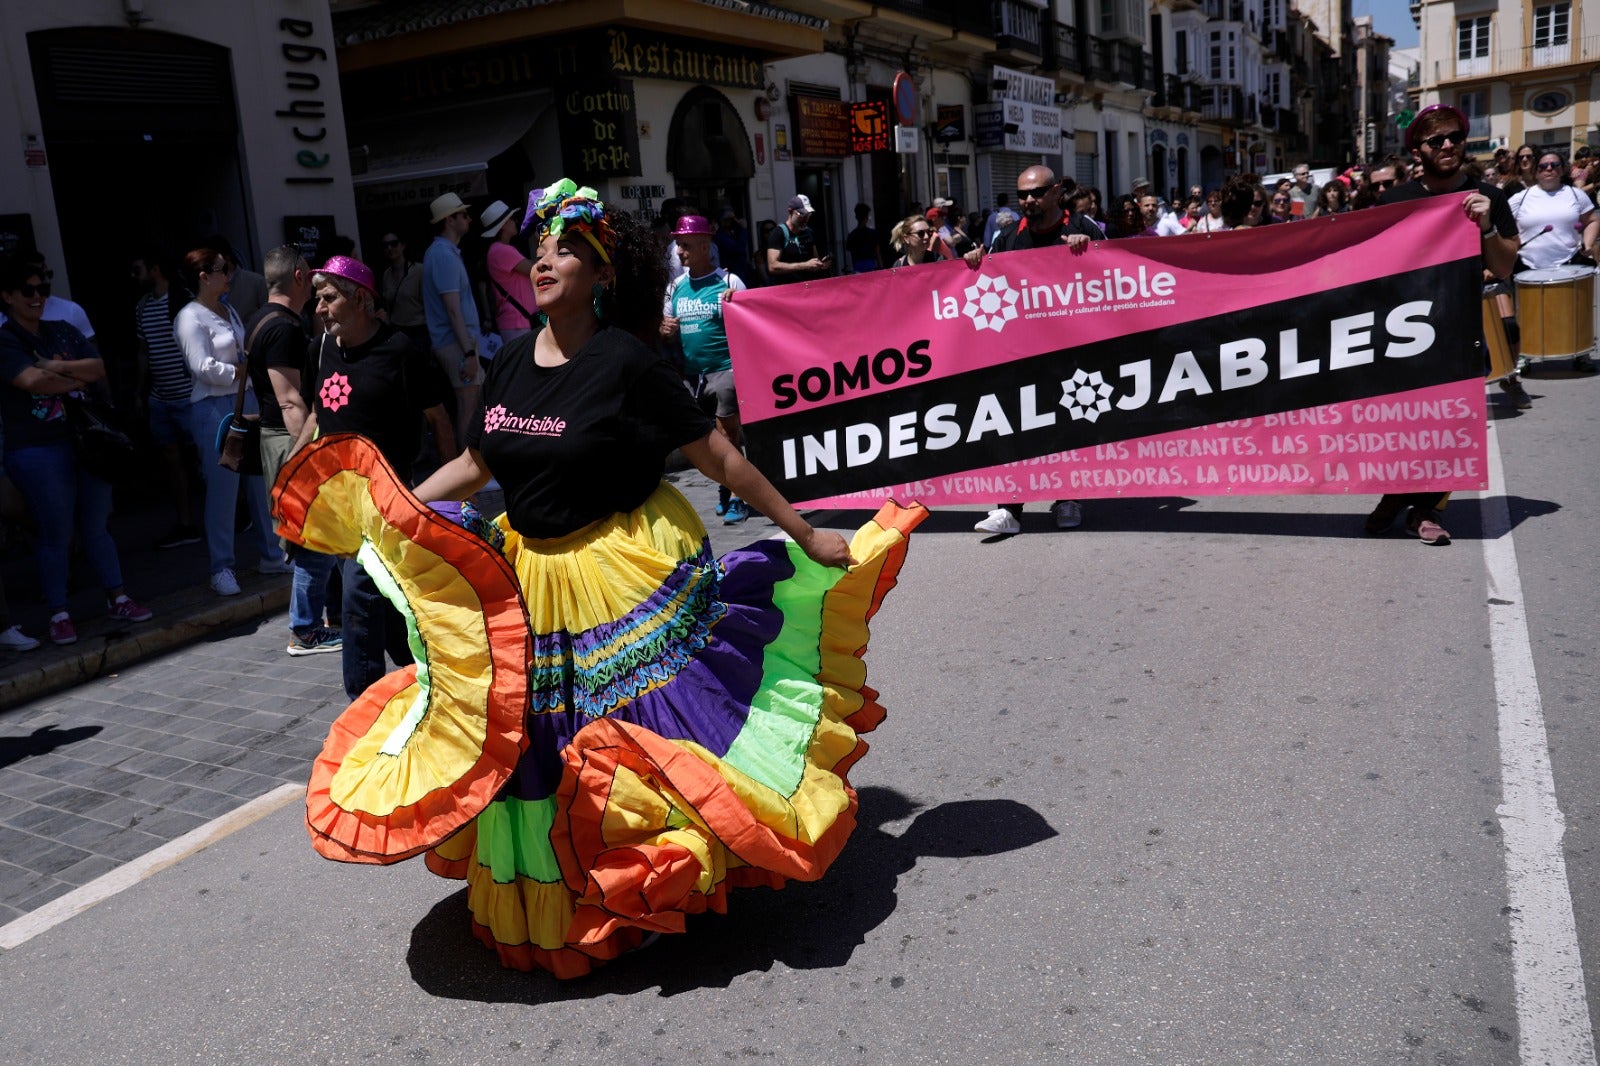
[[565, 208]]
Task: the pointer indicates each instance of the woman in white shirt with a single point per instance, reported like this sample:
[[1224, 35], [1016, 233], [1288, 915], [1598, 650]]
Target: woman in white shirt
[[1554, 219], [212, 339]]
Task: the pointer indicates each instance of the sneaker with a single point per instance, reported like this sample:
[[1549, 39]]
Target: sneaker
[[737, 512], [223, 583], [1516, 393], [127, 609], [723, 496], [280, 565], [1585, 364], [999, 520], [62, 630], [178, 537], [1425, 529], [1068, 514], [14, 639], [314, 641]]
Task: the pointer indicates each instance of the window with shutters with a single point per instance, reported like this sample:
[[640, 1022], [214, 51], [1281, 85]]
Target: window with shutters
[[1472, 46]]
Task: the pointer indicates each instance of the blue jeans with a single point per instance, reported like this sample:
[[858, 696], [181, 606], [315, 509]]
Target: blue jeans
[[60, 495], [372, 627], [309, 594], [222, 489]]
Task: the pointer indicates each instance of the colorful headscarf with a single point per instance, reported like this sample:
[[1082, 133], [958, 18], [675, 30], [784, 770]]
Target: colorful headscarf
[[565, 208]]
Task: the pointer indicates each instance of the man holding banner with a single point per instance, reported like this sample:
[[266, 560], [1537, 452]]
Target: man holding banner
[[1338, 359], [1437, 139], [1044, 223]]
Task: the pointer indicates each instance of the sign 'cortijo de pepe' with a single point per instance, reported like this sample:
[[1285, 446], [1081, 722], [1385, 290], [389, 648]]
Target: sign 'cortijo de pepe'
[[599, 129]]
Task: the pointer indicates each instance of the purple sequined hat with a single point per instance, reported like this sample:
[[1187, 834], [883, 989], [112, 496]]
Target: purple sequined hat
[[690, 225], [351, 270]]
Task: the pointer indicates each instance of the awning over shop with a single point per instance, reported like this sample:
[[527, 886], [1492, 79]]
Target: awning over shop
[[410, 159]]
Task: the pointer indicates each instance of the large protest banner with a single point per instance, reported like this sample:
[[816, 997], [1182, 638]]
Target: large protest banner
[[1333, 355]]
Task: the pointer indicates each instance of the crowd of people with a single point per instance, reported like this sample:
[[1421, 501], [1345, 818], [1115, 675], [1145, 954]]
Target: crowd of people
[[475, 289]]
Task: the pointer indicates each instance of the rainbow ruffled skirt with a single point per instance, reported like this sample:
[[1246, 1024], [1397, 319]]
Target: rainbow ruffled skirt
[[602, 732]]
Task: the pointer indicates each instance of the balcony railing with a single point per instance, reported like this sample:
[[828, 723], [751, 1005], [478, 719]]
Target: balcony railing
[[1223, 103], [1517, 60], [1102, 60], [1016, 27], [1068, 50]]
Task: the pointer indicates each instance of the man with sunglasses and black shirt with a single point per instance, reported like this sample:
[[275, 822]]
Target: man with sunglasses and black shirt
[[1044, 223], [1437, 139]]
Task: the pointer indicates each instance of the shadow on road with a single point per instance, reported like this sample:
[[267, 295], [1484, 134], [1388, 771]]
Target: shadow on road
[[41, 741], [806, 926], [1172, 514]]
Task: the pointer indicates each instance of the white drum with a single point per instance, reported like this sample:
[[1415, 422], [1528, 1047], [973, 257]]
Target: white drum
[[1556, 310]]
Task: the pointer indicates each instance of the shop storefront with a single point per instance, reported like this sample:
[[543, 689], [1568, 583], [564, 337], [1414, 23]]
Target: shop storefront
[[641, 116]]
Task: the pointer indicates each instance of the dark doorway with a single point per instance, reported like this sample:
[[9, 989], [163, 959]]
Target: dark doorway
[[820, 184], [144, 159], [708, 152]]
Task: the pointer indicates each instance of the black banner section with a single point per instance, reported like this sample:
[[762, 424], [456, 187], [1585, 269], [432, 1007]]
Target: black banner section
[[1390, 335]]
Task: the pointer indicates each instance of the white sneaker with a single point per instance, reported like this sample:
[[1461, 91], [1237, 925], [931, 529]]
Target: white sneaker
[[223, 583], [14, 639], [280, 565], [999, 520], [1068, 513]]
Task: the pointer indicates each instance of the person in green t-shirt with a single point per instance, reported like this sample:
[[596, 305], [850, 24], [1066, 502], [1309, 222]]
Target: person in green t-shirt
[[692, 313]]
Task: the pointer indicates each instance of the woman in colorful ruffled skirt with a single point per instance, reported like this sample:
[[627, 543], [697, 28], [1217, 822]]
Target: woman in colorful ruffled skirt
[[606, 728]]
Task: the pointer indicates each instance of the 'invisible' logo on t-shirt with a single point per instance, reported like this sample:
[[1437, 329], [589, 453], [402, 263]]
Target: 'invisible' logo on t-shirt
[[498, 419]]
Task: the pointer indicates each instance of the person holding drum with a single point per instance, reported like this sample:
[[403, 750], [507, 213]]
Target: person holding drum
[[1556, 221], [1437, 139]]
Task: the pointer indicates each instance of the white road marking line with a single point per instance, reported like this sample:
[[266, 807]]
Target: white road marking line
[[1552, 1005], [131, 873]]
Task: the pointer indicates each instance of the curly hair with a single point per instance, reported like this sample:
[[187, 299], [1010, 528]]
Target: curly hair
[[640, 263]]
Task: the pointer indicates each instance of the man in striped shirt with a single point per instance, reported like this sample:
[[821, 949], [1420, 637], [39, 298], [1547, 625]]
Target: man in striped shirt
[[164, 384]]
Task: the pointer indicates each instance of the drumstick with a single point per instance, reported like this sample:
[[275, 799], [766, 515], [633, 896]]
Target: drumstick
[[1536, 236]]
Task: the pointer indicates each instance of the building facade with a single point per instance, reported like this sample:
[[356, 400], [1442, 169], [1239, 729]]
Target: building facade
[[1523, 71], [143, 127]]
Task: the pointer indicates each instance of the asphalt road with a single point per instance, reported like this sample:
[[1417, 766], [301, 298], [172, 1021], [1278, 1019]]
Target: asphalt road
[[1208, 781]]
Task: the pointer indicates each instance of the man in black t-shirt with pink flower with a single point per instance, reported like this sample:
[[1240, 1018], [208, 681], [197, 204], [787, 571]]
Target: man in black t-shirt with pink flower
[[369, 378]]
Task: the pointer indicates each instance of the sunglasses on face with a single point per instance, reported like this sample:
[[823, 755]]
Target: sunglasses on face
[[1550, 166], [1524, 158], [1035, 194], [30, 291], [1389, 184], [918, 233], [1280, 199], [1439, 140]]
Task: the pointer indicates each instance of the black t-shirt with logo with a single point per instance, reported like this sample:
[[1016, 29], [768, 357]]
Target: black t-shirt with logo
[[378, 389], [1500, 216], [277, 339], [1019, 236], [585, 440], [793, 246]]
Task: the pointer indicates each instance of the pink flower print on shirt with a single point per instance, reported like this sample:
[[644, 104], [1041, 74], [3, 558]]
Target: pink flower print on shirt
[[335, 391], [493, 418]]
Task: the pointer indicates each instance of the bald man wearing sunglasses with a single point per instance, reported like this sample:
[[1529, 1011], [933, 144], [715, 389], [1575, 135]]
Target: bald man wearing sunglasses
[[1045, 222]]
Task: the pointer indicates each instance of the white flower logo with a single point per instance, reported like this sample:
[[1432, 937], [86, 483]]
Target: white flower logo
[[1086, 395], [991, 303]]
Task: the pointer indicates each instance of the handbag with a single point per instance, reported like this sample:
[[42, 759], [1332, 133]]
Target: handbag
[[98, 443], [238, 440]]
